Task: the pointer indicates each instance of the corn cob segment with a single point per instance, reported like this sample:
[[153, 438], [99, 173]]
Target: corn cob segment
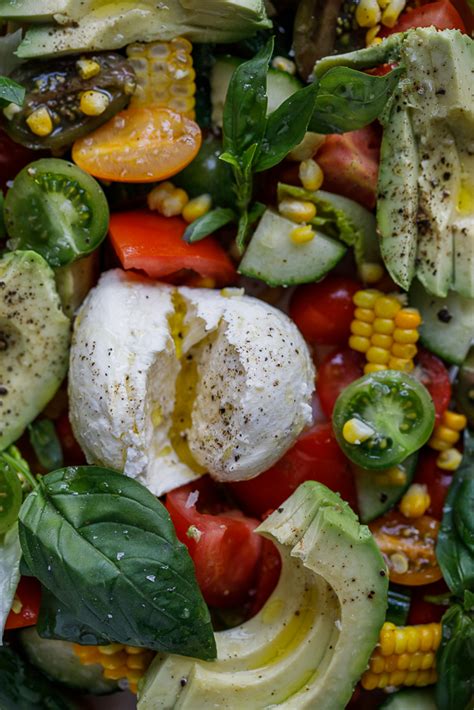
[[448, 433], [122, 663]]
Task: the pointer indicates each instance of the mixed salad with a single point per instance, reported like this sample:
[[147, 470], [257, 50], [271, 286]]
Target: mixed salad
[[237, 354]]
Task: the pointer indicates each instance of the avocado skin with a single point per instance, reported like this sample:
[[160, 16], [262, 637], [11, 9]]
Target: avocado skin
[[34, 337], [312, 640]]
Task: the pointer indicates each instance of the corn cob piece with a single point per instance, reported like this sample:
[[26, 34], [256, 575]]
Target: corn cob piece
[[165, 75], [448, 432], [121, 663]]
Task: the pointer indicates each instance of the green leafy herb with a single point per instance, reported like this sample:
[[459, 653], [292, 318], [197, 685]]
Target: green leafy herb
[[10, 92], [46, 444], [55, 621], [10, 554], [106, 547], [23, 687], [11, 495], [455, 659], [208, 223], [17, 463]]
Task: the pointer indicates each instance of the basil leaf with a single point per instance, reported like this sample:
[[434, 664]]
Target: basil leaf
[[245, 106], [208, 223], [55, 621], [348, 99], [286, 127], [10, 92], [23, 687], [10, 555], [106, 548], [46, 444], [455, 660], [242, 231]]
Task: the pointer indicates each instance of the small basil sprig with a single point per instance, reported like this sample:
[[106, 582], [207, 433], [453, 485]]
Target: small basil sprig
[[46, 444], [106, 548], [209, 223], [10, 92]]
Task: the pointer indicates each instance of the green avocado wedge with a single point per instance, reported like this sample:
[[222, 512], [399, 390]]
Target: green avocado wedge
[[311, 641]]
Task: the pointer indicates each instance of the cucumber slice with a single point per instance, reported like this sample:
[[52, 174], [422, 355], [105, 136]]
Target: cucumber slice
[[448, 323], [280, 85], [274, 258], [375, 494], [398, 605], [411, 699]]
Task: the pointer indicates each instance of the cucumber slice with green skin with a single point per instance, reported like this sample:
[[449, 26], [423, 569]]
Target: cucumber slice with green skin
[[448, 323], [411, 699], [280, 85], [398, 605], [273, 257], [396, 407], [375, 494]]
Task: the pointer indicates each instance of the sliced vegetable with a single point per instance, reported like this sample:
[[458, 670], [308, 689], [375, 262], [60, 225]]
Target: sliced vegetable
[[411, 699], [432, 373], [399, 600], [408, 547], [11, 496], [25, 609], [23, 687], [378, 491], [206, 173], [382, 418], [56, 90], [441, 14], [57, 210], [336, 372], [148, 241], [139, 145], [220, 539]]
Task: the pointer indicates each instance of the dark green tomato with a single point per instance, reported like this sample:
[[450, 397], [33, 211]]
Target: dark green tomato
[[397, 407], [464, 387], [57, 210], [58, 85], [11, 496], [206, 173]]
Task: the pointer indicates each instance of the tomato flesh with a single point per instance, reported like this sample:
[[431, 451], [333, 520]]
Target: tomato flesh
[[335, 373], [432, 373], [442, 15], [435, 479], [29, 594]]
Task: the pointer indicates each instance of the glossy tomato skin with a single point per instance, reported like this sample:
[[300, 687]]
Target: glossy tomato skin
[[268, 574], [316, 456], [29, 594], [337, 370], [436, 480], [422, 611], [223, 546], [72, 452], [432, 373], [442, 15], [13, 157], [323, 311]]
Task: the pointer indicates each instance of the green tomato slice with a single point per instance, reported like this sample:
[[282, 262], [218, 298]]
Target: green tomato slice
[[57, 210], [11, 497], [396, 407]]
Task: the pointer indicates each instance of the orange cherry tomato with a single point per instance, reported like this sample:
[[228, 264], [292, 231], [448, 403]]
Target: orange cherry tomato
[[139, 145], [411, 543]]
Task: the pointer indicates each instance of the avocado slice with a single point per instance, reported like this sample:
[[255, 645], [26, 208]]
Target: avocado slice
[[34, 339], [112, 25], [310, 643]]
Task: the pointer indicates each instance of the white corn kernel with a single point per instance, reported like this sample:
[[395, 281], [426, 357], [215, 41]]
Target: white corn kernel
[[449, 460], [297, 210], [284, 64], [11, 110], [356, 431], [311, 175]]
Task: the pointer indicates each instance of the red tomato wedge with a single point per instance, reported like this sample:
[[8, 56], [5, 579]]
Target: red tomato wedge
[[442, 15], [221, 541], [432, 373], [436, 480], [148, 241], [139, 145], [28, 594], [335, 373]]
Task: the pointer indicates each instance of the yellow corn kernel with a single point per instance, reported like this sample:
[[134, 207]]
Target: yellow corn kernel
[[438, 444], [358, 327], [397, 476], [87, 68], [88, 655], [310, 174], [303, 234], [407, 351], [284, 64], [408, 318], [115, 661], [167, 199], [134, 675], [415, 502], [368, 13], [365, 298], [371, 35], [449, 460], [373, 367], [386, 307], [114, 673], [455, 421], [197, 207], [297, 210], [134, 650], [451, 436], [401, 364], [405, 335], [365, 314], [138, 661], [378, 356], [392, 12], [382, 341], [359, 344], [356, 431], [205, 282], [93, 103], [368, 272], [110, 649], [385, 326], [40, 122]]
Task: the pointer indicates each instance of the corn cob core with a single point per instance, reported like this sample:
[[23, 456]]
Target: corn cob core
[[405, 655], [118, 661], [165, 75]]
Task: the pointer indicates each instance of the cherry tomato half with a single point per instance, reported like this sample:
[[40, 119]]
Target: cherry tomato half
[[408, 547], [28, 594], [316, 456], [423, 611], [442, 15], [323, 311], [335, 373], [221, 541], [268, 574], [434, 376]]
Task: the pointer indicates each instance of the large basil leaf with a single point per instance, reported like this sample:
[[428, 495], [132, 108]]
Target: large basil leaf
[[454, 549], [106, 547], [10, 554], [286, 127], [245, 106], [348, 99], [55, 621], [455, 660], [23, 687]]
